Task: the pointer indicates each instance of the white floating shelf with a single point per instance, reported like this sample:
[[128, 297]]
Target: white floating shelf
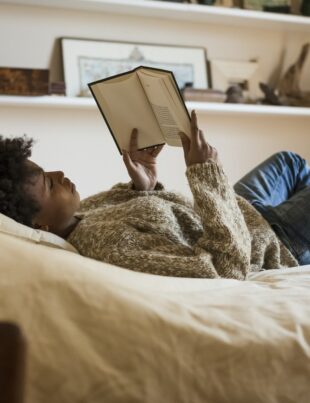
[[61, 102], [245, 109], [179, 11], [52, 102]]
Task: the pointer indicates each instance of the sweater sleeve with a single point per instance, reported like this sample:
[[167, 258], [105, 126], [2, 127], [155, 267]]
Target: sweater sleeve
[[225, 235]]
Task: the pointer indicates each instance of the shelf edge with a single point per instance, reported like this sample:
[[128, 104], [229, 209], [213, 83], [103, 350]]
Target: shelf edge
[[59, 102], [173, 11]]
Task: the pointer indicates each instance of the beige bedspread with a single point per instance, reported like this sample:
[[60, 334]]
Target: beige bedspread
[[102, 334]]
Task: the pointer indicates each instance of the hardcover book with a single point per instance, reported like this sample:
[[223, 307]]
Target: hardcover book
[[144, 98]]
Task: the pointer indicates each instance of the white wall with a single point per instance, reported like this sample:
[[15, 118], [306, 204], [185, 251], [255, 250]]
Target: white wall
[[78, 142]]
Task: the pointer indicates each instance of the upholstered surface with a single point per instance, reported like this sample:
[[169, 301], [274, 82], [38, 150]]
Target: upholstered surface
[[11, 227], [98, 333]]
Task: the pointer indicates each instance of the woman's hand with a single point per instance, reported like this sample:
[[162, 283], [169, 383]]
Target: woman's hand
[[141, 164], [197, 150]]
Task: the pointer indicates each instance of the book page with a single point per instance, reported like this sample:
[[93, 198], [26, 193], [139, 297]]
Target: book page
[[166, 103], [125, 106]]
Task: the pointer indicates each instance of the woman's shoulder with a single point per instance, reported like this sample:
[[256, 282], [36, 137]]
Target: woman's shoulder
[[122, 193]]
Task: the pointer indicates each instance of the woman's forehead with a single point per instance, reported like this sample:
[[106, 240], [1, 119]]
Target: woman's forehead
[[33, 165]]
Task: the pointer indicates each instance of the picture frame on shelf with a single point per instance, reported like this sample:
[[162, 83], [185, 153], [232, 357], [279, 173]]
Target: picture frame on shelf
[[226, 73], [86, 61]]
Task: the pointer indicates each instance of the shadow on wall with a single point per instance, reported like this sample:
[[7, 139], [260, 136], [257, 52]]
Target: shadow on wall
[[55, 63]]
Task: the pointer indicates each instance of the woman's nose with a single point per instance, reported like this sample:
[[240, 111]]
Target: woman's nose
[[60, 176]]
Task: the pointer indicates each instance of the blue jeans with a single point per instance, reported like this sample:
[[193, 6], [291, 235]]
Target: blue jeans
[[279, 188]]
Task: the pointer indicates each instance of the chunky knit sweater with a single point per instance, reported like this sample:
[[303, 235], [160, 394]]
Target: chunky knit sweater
[[160, 232]]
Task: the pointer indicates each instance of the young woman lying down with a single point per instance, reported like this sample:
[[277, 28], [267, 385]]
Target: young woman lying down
[[261, 223]]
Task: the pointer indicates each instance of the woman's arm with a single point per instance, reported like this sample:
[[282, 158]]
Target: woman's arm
[[226, 235]]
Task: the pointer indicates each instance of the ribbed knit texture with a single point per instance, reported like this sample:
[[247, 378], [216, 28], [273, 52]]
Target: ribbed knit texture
[[161, 232]]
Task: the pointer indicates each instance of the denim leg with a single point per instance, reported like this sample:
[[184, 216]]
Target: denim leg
[[279, 189], [274, 180], [293, 216]]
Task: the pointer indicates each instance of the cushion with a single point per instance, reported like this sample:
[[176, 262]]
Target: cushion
[[12, 227]]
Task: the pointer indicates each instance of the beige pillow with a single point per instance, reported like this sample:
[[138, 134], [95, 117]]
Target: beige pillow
[[12, 227]]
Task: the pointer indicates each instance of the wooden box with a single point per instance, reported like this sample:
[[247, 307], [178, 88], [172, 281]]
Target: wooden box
[[17, 81]]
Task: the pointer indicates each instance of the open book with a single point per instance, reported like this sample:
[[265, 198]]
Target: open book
[[146, 98]]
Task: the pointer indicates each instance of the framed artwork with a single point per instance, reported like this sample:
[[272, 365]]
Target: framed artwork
[[86, 61], [225, 73]]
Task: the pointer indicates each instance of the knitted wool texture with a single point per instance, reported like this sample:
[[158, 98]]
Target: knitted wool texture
[[160, 232]]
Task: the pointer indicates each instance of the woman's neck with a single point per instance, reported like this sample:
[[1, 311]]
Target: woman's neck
[[66, 231]]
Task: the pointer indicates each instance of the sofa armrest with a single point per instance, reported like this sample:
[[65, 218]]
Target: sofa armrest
[[12, 363]]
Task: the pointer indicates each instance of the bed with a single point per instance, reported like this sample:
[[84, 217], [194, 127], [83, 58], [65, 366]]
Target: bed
[[99, 333]]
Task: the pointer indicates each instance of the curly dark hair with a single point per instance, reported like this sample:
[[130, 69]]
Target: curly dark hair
[[14, 175]]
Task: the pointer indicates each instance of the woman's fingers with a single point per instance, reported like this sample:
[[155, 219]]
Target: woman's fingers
[[194, 127], [133, 145], [197, 149], [202, 138], [128, 161], [186, 144], [157, 150]]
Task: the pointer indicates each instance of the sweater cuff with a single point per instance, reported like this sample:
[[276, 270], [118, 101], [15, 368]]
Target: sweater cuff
[[209, 174]]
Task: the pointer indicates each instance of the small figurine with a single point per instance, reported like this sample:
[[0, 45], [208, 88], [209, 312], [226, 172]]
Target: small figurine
[[235, 95], [288, 91], [289, 84]]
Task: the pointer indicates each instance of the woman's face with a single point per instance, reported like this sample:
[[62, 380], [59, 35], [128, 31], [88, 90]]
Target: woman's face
[[57, 197]]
